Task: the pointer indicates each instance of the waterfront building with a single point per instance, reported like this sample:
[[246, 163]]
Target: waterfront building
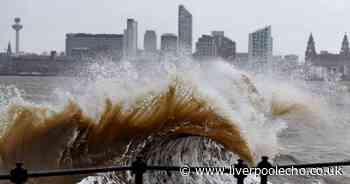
[[150, 41], [79, 44], [260, 46], [169, 42], [184, 30], [324, 63], [205, 47], [291, 58], [225, 47], [131, 38], [40, 65], [216, 45]]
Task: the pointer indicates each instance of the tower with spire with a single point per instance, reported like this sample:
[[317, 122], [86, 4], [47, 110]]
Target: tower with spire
[[329, 63], [17, 27], [345, 51], [9, 49], [310, 49]]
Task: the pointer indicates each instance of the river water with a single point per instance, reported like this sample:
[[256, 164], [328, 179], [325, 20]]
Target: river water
[[314, 128]]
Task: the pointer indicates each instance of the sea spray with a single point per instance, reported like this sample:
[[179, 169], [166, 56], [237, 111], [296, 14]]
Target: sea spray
[[205, 97]]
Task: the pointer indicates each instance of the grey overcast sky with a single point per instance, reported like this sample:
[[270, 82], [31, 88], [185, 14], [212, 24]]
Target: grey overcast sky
[[47, 21]]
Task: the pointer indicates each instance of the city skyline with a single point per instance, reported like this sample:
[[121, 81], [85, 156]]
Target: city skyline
[[237, 19]]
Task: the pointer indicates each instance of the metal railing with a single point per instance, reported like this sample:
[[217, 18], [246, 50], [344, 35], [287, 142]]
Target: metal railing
[[19, 175]]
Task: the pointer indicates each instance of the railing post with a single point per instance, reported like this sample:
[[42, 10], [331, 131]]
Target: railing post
[[139, 167], [241, 175], [264, 166], [19, 175]]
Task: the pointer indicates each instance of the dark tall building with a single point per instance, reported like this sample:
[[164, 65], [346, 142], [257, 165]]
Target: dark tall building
[[150, 41], [310, 48], [169, 42], [185, 30], [345, 46], [324, 63], [9, 49]]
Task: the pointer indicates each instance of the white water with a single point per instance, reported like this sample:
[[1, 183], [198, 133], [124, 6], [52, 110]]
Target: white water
[[316, 130]]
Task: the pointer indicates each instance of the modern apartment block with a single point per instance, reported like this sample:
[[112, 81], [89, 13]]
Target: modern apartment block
[[216, 45], [169, 42], [150, 41], [260, 47], [205, 46], [130, 38], [185, 30], [225, 47]]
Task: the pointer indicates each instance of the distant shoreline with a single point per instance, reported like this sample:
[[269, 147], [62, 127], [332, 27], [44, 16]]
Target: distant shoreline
[[34, 75]]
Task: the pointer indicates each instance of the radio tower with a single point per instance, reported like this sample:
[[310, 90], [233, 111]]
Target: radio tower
[[17, 27]]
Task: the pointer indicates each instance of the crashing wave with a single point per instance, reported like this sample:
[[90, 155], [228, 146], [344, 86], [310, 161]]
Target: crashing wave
[[136, 112]]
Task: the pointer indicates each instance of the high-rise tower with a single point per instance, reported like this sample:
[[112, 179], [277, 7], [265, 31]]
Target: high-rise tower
[[185, 30], [168, 42], [260, 47], [17, 27], [310, 49], [150, 41], [130, 35], [345, 46]]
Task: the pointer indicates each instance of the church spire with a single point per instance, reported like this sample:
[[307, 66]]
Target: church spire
[[345, 46], [9, 49], [310, 49]]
